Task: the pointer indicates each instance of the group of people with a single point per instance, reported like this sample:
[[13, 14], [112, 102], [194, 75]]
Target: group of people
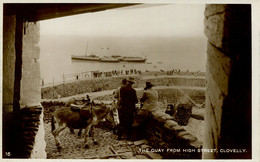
[[98, 74], [129, 116]]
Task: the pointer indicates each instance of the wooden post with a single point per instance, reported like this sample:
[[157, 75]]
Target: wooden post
[[176, 95], [64, 88], [63, 76], [53, 87]]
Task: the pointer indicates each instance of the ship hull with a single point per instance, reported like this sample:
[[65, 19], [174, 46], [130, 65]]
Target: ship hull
[[129, 60], [84, 58], [113, 60], [108, 60]]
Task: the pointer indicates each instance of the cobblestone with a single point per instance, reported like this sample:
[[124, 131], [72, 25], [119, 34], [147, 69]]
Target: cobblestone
[[73, 146]]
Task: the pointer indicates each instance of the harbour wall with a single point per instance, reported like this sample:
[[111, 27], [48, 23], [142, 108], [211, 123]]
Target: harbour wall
[[101, 84], [173, 140]]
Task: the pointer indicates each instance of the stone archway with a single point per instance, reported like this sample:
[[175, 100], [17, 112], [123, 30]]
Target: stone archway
[[228, 96]]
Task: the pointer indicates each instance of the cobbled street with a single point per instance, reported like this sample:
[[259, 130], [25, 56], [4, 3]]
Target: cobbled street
[[108, 147]]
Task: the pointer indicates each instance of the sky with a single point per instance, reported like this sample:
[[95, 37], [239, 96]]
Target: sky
[[172, 34], [142, 20]]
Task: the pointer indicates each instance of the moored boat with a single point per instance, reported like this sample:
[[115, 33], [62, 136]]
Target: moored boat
[[112, 58], [109, 59]]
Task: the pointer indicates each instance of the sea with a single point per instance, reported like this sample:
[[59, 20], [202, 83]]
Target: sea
[[162, 53]]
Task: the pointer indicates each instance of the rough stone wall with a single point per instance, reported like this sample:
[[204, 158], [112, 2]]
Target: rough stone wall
[[31, 81], [31, 92], [38, 151], [172, 94], [33, 133], [164, 133], [178, 81], [228, 88], [99, 84], [8, 61]]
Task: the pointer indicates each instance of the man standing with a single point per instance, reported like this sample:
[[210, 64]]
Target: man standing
[[150, 104], [128, 99], [116, 93]]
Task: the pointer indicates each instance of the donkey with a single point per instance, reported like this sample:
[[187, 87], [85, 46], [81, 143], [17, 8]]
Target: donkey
[[74, 101], [86, 117]]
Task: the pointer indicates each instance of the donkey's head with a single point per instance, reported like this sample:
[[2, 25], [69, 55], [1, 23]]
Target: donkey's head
[[108, 112]]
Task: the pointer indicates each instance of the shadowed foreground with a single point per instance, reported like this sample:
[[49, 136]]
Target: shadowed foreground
[[108, 147]]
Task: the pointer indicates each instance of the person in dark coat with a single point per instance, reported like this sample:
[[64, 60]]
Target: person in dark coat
[[116, 94], [126, 110]]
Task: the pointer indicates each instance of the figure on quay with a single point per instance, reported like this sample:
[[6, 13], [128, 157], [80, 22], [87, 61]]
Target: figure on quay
[[149, 103], [116, 94], [126, 110]]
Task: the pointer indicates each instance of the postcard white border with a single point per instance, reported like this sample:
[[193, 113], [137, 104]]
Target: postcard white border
[[255, 63]]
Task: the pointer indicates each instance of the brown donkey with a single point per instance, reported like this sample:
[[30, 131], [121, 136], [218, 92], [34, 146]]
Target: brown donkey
[[86, 116]]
